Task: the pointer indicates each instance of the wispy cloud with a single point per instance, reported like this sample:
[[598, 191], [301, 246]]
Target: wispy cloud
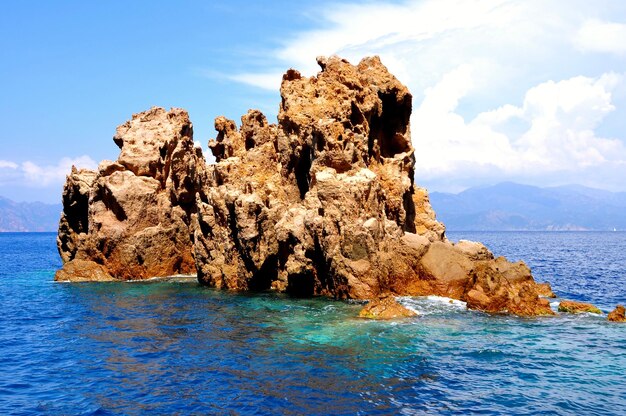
[[5, 164], [600, 36], [267, 81], [33, 175]]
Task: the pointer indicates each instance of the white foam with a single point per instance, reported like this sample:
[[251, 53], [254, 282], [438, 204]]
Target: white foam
[[172, 278], [448, 301], [431, 305]]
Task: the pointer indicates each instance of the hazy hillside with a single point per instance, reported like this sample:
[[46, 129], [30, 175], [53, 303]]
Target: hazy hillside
[[28, 216], [511, 206]]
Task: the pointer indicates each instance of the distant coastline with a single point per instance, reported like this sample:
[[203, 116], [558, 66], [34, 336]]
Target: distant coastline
[[514, 207], [28, 216]]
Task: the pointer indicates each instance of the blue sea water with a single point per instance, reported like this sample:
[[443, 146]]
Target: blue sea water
[[174, 347]]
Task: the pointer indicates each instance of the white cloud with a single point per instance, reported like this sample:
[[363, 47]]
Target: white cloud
[[267, 81], [419, 41], [36, 175], [8, 164], [559, 120], [479, 72], [598, 36], [33, 175]]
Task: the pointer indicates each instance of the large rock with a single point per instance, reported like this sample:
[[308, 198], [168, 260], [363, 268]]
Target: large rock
[[500, 286], [132, 216], [321, 203]]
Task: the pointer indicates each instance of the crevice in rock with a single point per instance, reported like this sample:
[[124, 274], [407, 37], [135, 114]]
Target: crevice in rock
[[187, 131], [250, 143], [234, 231], [409, 209], [285, 248], [301, 285], [356, 117], [76, 209], [106, 196], [263, 278], [302, 170], [318, 141], [388, 128], [324, 282], [204, 228]]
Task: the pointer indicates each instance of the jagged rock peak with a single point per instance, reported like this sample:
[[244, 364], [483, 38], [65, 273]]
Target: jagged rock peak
[[132, 216]]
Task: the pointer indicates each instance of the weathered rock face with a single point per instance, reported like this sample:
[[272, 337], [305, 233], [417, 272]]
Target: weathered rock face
[[132, 216], [321, 203], [545, 290], [313, 204], [570, 306], [82, 271], [324, 203], [385, 307]]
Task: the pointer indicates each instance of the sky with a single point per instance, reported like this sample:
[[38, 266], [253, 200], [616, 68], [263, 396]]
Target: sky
[[526, 91]]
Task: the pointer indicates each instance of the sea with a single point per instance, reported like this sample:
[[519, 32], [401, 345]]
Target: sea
[[173, 347]]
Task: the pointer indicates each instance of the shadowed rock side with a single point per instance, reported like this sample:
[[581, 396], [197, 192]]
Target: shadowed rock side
[[132, 216], [321, 203]]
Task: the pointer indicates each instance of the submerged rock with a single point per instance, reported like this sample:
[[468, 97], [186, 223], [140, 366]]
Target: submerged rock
[[570, 306], [618, 314], [321, 203], [83, 271], [385, 307]]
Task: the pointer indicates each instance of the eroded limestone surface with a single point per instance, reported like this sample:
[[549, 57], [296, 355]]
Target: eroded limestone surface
[[133, 216], [321, 203]]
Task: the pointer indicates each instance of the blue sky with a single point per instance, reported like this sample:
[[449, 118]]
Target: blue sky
[[528, 91]]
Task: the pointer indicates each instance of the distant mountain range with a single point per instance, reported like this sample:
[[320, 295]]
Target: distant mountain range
[[28, 216], [511, 206]]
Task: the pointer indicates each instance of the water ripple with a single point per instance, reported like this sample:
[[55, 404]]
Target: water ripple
[[174, 347]]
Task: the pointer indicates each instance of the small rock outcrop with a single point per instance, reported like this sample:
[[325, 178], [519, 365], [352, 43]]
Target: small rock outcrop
[[321, 203], [570, 306], [385, 307], [618, 314], [83, 271], [545, 290]]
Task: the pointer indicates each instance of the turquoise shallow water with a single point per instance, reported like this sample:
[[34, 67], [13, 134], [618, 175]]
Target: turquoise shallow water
[[178, 348]]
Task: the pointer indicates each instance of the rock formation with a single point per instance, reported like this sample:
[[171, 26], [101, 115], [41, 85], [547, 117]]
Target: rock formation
[[385, 307], [133, 216], [83, 271], [618, 314], [570, 306], [321, 203]]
